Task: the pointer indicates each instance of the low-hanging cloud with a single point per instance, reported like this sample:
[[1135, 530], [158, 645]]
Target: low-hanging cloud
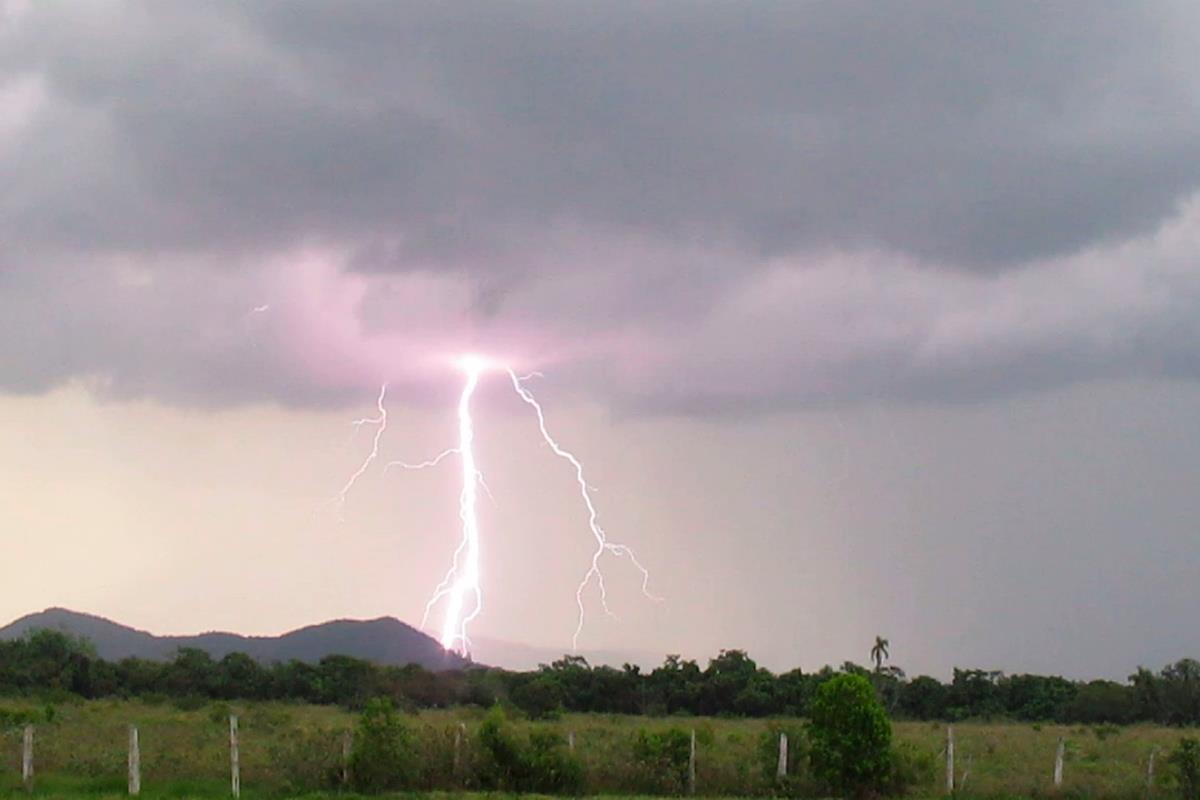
[[703, 207]]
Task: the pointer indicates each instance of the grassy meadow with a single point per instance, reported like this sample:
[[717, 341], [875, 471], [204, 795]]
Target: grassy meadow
[[294, 750]]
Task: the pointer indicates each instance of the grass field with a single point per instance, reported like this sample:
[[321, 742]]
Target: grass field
[[294, 749]]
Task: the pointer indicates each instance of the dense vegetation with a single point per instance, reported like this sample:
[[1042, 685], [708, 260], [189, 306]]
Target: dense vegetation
[[291, 749], [732, 684]]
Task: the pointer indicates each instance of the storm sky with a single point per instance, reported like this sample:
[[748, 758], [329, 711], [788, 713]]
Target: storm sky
[[865, 318]]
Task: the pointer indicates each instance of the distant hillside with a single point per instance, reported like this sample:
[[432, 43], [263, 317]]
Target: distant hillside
[[385, 640]]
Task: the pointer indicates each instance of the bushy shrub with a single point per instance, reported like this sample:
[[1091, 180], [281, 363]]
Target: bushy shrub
[[307, 760], [219, 712], [552, 770], [539, 764], [850, 736], [445, 757], [661, 760], [16, 718], [909, 768], [189, 702], [1185, 768], [503, 767], [383, 755]]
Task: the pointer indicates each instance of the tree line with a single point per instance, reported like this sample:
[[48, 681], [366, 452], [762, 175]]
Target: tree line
[[48, 663]]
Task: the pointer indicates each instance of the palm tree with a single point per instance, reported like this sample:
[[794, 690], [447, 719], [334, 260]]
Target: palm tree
[[879, 652]]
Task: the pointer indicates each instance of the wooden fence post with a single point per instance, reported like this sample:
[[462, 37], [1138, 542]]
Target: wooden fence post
[[347, 750], [571, 741], [781, 767], [135, 763], [27, 759], [1058, 762], [235, 768], [460, 733], [692, 765], [949, 759], [1150, 771]]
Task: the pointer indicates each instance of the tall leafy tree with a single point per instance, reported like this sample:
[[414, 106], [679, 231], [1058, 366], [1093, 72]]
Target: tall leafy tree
[[879, 652], [850, 736]]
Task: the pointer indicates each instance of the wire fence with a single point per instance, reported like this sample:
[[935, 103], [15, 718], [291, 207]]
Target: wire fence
[[269, 751]]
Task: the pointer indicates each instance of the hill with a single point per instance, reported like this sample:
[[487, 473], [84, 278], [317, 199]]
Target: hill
[[385, 640]]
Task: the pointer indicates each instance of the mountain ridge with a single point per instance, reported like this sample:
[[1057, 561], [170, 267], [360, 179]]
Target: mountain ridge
[[384, 640]]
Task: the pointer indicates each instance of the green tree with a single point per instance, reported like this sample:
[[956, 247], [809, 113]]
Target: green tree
[[539, 695], [348, 681], [923, 698], [55, 660], [1180, 692], [296, 680], [850, 736], [974, 693], [793, 690], [1102, 701], [1147, 694], [727, 678], [238, 675], [879, 652], [675, 686], [193, 672], [1185, 764], [1037, 697]]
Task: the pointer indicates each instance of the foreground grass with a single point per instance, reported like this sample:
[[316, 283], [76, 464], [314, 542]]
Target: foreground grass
[[69, 792], [319, 796], [1013, 759], [288, 749]]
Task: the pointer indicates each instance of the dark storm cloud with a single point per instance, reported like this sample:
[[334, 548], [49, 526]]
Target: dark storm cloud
[[617, 171], [980, 134]]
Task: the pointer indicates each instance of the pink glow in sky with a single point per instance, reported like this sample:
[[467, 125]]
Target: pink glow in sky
[[838, 314]]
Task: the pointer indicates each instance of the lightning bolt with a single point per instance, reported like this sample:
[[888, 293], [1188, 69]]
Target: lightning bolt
[[380, 421], [463, 577], [602, 544], [462, 580], [433, 462]]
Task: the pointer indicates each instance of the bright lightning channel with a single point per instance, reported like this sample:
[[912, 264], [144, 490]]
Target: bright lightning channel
[[603, 545], [462, 580]]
